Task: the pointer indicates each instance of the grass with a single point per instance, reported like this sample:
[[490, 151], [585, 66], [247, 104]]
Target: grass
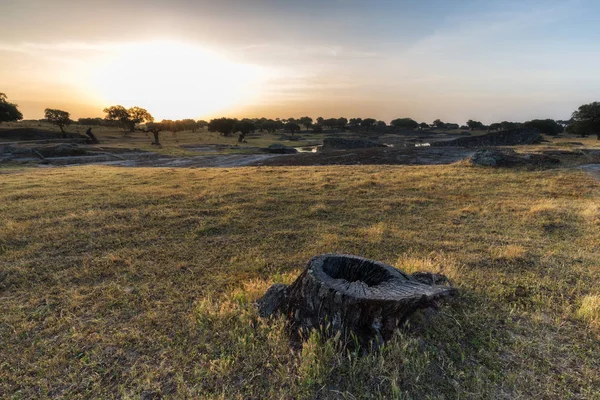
[[140, 283]]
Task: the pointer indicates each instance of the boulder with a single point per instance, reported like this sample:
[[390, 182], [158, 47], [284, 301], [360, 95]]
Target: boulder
[[349, 144], [509, 158], [277, 148], [511, 137]]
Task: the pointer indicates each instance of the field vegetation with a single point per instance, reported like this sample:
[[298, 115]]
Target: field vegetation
[[140, 283]]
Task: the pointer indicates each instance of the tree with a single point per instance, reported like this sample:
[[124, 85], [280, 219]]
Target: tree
[[423, 125], [341, 123], [245, 127], [128, 118], [368, 123], [474, 124], [586, 120], [452, 126], [355, 123], [201, 124], [292, 127], [439, 124], [156, 128], [404, 123], [189, 125], [495, 127], [225, 126], [547, 126], [306, 121], [58, 117], [9, 112], [270, 125], [506, 125]]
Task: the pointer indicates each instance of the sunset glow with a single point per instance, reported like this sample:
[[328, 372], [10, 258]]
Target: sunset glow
[[178, 80]]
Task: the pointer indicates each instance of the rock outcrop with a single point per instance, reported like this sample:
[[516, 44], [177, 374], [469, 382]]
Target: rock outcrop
[[511, 137], [510, 158]]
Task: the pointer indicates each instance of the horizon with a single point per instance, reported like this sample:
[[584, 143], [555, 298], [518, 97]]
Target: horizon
[[452, 60]]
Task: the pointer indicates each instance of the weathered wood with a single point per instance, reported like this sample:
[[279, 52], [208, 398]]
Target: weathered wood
[[351, 295]]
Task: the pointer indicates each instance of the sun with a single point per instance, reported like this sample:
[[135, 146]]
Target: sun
[[175, 80]]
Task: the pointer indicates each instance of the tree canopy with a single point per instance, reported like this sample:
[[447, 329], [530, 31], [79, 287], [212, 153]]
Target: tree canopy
[[472, 124], [59, 118], [404, 123], [9, 112], [128, 118], [586, 120], [225, 126], [547, 126]]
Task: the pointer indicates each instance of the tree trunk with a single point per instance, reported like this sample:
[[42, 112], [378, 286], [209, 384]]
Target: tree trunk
[[156, 141], [92, 136], [351, 295]]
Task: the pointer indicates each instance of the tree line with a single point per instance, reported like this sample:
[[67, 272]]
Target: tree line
[[584, 121]]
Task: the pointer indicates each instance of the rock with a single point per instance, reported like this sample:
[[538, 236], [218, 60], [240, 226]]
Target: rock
[[511, 137], [349, 144], [277, 148], [61, 150], [509, 158]]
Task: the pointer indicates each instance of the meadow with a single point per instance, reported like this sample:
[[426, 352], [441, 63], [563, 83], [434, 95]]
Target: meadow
[[140, 283]]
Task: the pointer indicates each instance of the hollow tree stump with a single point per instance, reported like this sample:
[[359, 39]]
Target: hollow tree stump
[[351, 295]]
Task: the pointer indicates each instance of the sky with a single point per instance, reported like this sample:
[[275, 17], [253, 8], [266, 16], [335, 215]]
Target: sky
[[454, 60]]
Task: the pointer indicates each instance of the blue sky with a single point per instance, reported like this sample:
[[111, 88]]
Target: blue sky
[[455, 60]]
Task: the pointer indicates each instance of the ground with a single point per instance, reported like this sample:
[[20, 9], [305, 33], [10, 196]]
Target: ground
[[140, 282]]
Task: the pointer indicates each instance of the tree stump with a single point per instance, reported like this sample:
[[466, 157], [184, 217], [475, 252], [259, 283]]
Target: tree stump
[[352, 295]]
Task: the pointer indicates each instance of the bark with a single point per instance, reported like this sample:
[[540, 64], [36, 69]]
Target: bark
[[92, 136], [156, 141], [362, 299]]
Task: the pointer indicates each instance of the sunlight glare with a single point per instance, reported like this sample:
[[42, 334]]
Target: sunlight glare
[[174, 80]]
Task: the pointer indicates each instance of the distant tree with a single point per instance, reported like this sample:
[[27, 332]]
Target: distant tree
[[368, 123], [292, 127], [495, 127], [320, 121], [201, 124], [128, 118], [474, 124], [58, 117], [9, 112], [423, 125], [317, 128], [381, 126], [270, 125], [330, 123], [225, 126], [452, 126], [341, 123], [90, 121], [439, 124], [547, 126], [155, 128], [506, 125], [355, 123], [586, 120], [306, 121], [244, 127], [189, 125], [404, 123], [564, 122]]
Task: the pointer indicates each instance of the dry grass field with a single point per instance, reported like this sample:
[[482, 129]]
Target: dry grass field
[[140, 283]]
